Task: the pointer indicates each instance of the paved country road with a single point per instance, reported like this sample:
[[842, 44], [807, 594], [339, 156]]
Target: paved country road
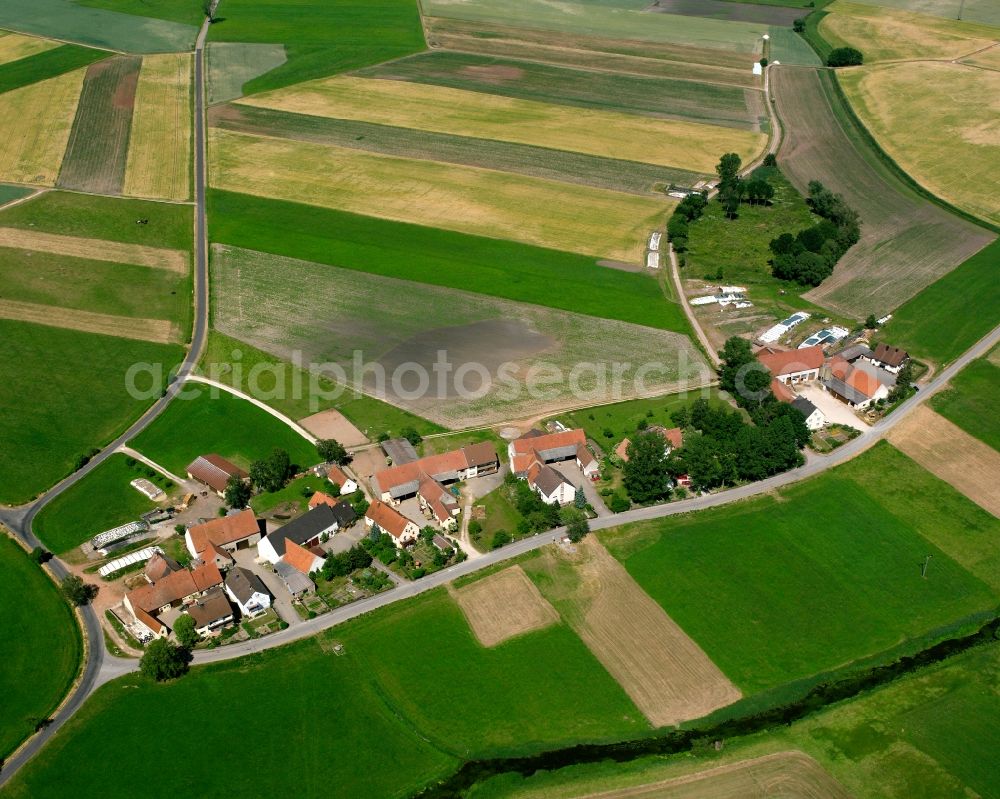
[[101, 667]]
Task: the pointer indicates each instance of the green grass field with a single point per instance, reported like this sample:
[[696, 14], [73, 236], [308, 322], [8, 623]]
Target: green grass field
[[443, 258], [623, 418], [277, 386], [170, 225], [11, 193], [226, 425], [101, 27], [660, 97], [82, 378], [232, 64], [102, 500], [589, 170], [188, 12], [37, 672], [46, 64], [951, 314], [970, 402], [784, 587], [321, 37]]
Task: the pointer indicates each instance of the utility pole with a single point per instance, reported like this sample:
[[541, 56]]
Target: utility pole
[[923, 569], [961, 8]]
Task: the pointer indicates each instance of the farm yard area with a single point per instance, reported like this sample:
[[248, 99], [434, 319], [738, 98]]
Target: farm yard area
[[268, 292]]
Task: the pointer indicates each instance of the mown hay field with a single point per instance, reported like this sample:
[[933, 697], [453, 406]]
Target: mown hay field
[[588, 170], [232, 64], [325, 315], [159, 152], [35, 122], [37, 673], [948, 452], [96, 249], [939, 123], [906, 241], [608, 134], [659, 97], [14, 46], [159, 331], [986, 58], [665, 673], [503, 606], [97, 151], [773, 595], [86, 385], [481, 202], [887, 34], [493, 267]]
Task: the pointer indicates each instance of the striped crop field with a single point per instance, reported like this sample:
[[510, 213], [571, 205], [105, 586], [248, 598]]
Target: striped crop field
[[98, 145], [888, 34], [608, 134], [35, 123], [588, 170], [159, 154], [477, 201], [938, 121], [14, 46], [659, 97]]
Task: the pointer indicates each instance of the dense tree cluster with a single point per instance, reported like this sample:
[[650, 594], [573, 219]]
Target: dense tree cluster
[[742, 375], [164, 660], [271, 473], [809, 256], [77, 591], [646, 477], [184, 630], [341, 564], [845, 57], [238, 492], [688, 210], [733, 189], [332, 451]]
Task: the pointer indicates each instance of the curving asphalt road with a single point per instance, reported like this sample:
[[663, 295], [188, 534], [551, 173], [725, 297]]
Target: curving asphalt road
[[101, 667]]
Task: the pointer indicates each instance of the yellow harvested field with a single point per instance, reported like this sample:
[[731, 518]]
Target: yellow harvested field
[[96, 249], [988, 59], [159, 331], [35, 122], [14, 46], [504, 605], [887, 34], [159, 154], [789, 775], [948, 452], [666, 674], [938, 121], [483, 202], [686, 145]]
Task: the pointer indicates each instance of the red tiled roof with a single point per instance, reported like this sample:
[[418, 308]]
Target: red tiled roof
[[299, 557], [219, 552], [863, 382], [783, 363], [781, 392], [454, 461], [206, 576], [527, 444], [622, 450], [338, 476], [154, 624], [172, 588], [584, 455], [214, 471], [320, 498], [388, 518], [224, 531]]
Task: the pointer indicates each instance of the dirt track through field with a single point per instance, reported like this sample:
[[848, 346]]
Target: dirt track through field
[[906, 242], [666, 674], [948, 452], [504, 605], [96, 249], [789, 775], [159, 331]]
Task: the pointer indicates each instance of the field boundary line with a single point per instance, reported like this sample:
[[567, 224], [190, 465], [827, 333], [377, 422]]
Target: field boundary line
[[157, 331]]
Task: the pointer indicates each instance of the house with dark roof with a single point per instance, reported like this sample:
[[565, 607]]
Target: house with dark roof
[[306, 530], [236, 531], [210, 612], [214, 471], [815, 418], [551, 484], [399, 451], [247, 591], [890, 358]]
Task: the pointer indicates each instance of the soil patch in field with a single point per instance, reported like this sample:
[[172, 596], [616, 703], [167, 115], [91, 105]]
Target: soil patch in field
[[490, 343], [789, 775], [333, 424], [97, 151], [159, 331], [727, 10], [666, 674], [496, 73], [504, 605], [948, 452], [620, 265], [96, 249]]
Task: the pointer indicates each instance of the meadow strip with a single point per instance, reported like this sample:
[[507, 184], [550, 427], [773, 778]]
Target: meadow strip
[[504, 605], [98, 145], [159, 153], [97, 249], [588, 170], [14, 46], [481, 202], [46, 64], [950, 453], [609, 134], [158, 331], [36, 123]]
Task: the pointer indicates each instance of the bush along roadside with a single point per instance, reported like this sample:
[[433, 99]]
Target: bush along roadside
[[848, 684]]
